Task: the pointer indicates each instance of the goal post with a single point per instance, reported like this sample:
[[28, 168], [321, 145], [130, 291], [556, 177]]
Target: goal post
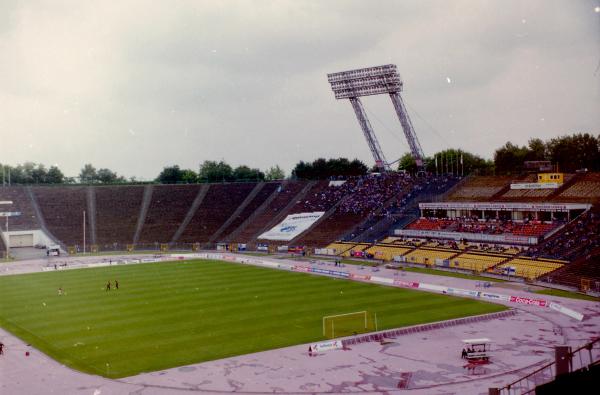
[[347, 324]]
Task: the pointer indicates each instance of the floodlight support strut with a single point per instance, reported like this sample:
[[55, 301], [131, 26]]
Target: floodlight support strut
[[367, 129], [407, 127]]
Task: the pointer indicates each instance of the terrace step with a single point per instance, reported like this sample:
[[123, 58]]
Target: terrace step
[[259, 186], [91, 208], [233, 235], [283, 213], [143, 212], [190, 214]]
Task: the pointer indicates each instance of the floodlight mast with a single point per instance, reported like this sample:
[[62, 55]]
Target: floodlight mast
[[375, 81], [376, 151]]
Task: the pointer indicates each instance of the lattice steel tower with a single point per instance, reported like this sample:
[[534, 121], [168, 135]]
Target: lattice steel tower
[[376, 81]]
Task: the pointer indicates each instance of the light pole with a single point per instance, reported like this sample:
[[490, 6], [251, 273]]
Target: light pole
[[7, 214], [83, 232]]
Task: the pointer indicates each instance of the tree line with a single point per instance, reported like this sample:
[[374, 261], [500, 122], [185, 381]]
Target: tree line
[[567, 153], [212, 171]]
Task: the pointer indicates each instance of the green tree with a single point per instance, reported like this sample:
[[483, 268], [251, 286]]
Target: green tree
[[509, 158], [106, 176], [575, 152], [88, 174], [170, 175], [407, 163], [357, 168], [322, 168], [536, 150], [212, 171], [189, 176], [244, 173], [274, 173], [55, 176]]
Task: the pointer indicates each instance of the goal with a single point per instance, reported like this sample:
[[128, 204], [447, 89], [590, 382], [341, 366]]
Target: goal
[[340, 325]]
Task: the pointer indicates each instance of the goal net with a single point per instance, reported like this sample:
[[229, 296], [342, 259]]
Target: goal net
[[348, 324]]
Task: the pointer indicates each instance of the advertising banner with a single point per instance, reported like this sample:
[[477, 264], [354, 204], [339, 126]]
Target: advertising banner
[[565, 310], [361, 277], [262, 247], [462, 292], [406, 284], [432, 287], [329, 272], [505, 238], [328, 346], [534, 185], [293, 225], [10, 214], [535, 302], [503, 206], [301, 268], [493, 296], [383, 280]]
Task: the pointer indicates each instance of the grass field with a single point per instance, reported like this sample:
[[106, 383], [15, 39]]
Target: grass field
[[172, 314]]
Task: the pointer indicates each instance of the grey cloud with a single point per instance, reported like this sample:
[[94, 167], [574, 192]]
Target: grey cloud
[[135, 86]]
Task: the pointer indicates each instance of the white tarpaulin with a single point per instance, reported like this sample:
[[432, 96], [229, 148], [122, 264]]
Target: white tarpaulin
[[292, 226]]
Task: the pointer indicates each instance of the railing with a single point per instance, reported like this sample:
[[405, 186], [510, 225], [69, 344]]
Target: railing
[[547, 373]]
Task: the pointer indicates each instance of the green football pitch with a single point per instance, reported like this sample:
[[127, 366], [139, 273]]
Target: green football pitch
[[171, 314]]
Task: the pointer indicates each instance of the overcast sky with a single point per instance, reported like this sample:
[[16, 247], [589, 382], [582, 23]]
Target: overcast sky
[[135, 86]]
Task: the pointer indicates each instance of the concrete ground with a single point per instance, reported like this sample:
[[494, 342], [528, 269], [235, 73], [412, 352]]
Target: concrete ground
[[426, 362]]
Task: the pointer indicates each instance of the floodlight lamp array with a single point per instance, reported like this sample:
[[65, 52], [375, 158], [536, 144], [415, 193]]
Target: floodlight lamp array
[[365, 82]]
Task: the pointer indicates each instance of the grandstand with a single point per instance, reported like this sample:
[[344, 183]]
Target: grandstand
[[582, 274], [480, 188], [428, 256], [62, 209], [357, 250], [218, 205], [586, 188], [479, 228], [276, 208], [476, 262], [531, 268], [386, 252], [266, 190], [168, 208], [20, 203], [339, 248], [2, 247], [329, 229], [117, 211], [578, 238]]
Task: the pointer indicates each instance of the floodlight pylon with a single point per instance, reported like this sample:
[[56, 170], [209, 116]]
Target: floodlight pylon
[[367, 129], [375, 81], [407, 127]]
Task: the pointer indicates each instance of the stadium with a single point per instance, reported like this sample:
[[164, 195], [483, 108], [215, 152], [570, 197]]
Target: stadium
[[442, 274], [391, 268]]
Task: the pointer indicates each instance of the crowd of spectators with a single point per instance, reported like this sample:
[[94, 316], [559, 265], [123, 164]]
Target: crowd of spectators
[[371, 193], [488, 226], [364, 194], [577, 239]]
